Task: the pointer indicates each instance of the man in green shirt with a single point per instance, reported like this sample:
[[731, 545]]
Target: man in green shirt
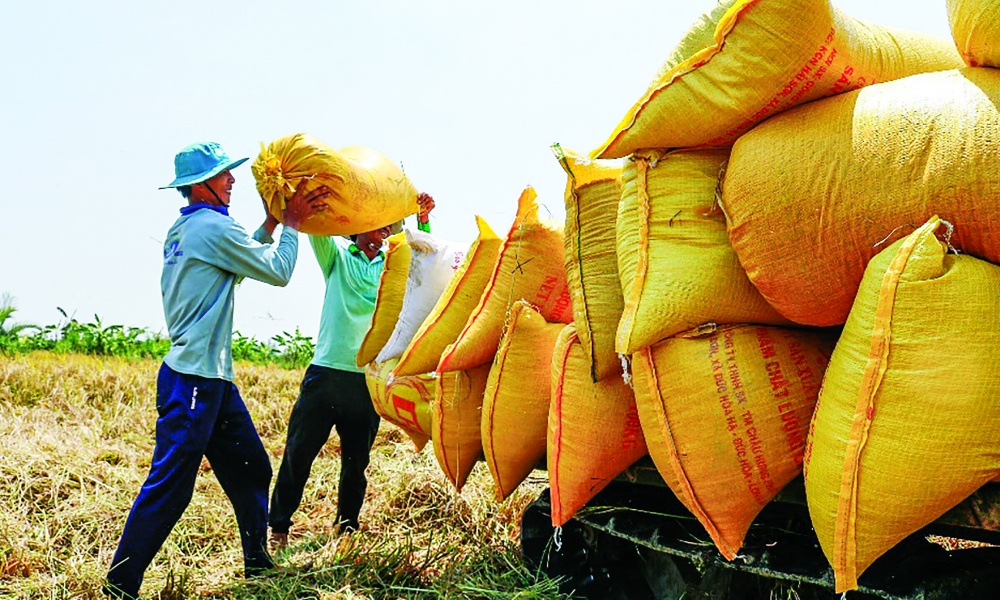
[[333, 391]]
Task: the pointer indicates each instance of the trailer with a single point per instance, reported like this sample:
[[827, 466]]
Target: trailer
[[635, 540]]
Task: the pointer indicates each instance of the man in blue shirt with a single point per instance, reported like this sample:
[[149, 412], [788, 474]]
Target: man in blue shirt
[[333, 391], [200, 411]]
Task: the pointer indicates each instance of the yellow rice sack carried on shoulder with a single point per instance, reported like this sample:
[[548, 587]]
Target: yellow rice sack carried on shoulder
[[529, 267], [456, 422], [908, 422], [748, 60], [369, 191], [676, 265], [975, 25], [516, 401], [403, 401], [389, 299], [814, 193], [593, 191], [594, 433], [449, 315], [726, 413]]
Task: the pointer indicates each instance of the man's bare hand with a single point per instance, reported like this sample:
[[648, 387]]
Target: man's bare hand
[[304, 205], [426, 204]]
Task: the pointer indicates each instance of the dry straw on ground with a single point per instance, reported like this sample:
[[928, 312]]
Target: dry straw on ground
[[76, 437]]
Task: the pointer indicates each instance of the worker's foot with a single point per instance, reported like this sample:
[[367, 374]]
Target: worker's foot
[[258, 565], [112, 590], [347, 527], [278, 541], [273, 572]]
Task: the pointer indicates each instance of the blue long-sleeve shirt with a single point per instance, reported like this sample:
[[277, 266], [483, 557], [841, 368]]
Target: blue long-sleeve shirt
[[206, 253]]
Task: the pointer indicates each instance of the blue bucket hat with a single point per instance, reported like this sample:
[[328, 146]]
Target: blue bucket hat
[[201, 162]]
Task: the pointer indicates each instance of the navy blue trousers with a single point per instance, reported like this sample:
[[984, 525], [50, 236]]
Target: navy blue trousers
[[197, 417], [328, 398]]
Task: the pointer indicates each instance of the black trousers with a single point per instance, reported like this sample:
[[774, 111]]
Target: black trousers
[[328, 398]]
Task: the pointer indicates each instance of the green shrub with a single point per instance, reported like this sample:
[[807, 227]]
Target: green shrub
[[287, 350]]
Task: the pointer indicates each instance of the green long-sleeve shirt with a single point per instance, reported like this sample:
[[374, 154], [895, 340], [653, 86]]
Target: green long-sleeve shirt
[[351, 288]]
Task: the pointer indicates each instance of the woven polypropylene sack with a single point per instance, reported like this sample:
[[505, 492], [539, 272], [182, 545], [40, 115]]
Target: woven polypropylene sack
[[456, 422], [459, 299], [975, 25], [908, 423], [593, 191], [676, 265], [529, 267], [403, 401], [433, 265], [516, 401], [813, 194], [388, 300], [726, 412], [594, 432], [368, 191], [748, 60]]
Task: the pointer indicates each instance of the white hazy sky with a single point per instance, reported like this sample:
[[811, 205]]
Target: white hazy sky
[[99, 95]]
